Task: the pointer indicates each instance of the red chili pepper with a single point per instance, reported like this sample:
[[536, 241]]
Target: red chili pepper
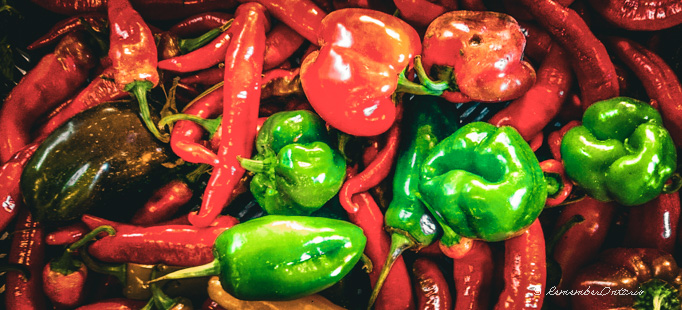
[[55, 78], [241, 98], [554, 139], [177, 245], [473, 276], [200, 23], [538, 41], [65, 235], [10, 173], [582, 242], [152, 9], [115, 304], [659, 80], [206, 77], [473, 5], [525, 274], [640, 15], [27, 249], [97, 21], [422, 12], [430, 285], [654, 224], [304, 16], [556, 170], [280, 44], [164, 203], [595, 72]]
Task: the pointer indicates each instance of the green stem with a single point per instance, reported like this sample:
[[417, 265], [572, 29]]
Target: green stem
[[674, 185], [211, 125], [399, 243], [188, 45], [149, 305], [195, 174], [139, 89], [65, 264], [255, 166], [407, 86], [161, 300], [116, 270], [554, 183], [425, 79], [210, 269]]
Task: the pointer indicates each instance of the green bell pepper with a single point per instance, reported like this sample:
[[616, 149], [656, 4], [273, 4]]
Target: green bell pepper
[[484, 182], [281, 257], [295, 171], [621, 152]]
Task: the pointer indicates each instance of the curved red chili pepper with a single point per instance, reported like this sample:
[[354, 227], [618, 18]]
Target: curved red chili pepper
[[200, 23], [97, 21], [640, 15], [430, 285], [115, 304], [582, 242], [241, 99], [164, 203], [554, 139], [422, 12], [152, 9], [473, 276], [55, 78], [28, 249], [186, 137], [595, 72], [10, 193], [66, 235], [303, 16], [175, 245], [556, 168], [541, 103], [660, 82], [525, 274], [654, 224]]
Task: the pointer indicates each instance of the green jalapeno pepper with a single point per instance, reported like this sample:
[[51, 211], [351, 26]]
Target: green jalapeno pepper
[[296, 171], [484, 182], [279, 257], [621, 152]]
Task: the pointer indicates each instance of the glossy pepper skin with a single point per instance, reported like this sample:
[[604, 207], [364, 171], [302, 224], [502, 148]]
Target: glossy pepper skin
[[350, 80], [296, 171], [484, 182], [650, 271], [279, 257], [620, 138], [480, 53]]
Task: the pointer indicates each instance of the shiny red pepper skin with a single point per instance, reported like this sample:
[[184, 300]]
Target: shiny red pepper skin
[[430, 285], [594, 70], [200, 23], [66, 235], [524, 270], [186, 137], [281, 42], [241, 99], [640, 15], [349, 81], [152, 9], [473, 276], [659, 80], [204, 57], [484, 50], [304, 16], [654, 224], [114, 304], [541, 103], [580, 244], [95, 20], [28, 248], [554, 138], [422, 12], [174, 245], [163, 204], [55, 78], [10, 173]]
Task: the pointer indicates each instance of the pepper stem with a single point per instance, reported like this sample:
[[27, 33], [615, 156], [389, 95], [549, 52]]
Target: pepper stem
[[425, 79], [658, 295], [255, 166], [188, 45], [674, 185], [161, 300], [210, 269], [407, 86], [65, 264], [139, 89], [399, 243], [116, 270], [149, 305], [554, 183], [211, 125]]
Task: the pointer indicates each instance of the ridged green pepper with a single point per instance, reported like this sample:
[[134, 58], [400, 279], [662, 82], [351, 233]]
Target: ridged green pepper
[[621, 152], [281, 257], [295, 170], [484, 181]]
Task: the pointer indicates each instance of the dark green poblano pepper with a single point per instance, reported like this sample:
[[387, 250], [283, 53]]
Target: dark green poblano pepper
[[295, 171], [621, 152], [484, 182], [279, 257]]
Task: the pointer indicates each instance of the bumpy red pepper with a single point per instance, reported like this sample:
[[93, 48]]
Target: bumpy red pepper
[[241, 99], [350, 80], [640, 14], [478, 54], [654, 224], [473, 276], [28, 249], [430, 285], [55, 78]]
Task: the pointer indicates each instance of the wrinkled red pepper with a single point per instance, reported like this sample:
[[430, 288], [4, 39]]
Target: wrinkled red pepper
[[647, 15]]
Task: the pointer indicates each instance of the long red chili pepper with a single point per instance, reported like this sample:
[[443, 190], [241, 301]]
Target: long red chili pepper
[[421, 13], [200, 23], [151, 9], [115, 304], [659, 80], [525, 274], [10, 173], [28, 249], [538, 41], [430, 285], [241, 98], [473, 276], [164, 203], [97, 21], [640, 15], [583, 241], [654, 224], [304, 16], [595, 72], [175, 245], [280, 43], [66, 235], [55, 78], [530, 113]]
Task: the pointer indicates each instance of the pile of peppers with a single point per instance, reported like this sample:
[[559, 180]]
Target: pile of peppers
[[341, 154]]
